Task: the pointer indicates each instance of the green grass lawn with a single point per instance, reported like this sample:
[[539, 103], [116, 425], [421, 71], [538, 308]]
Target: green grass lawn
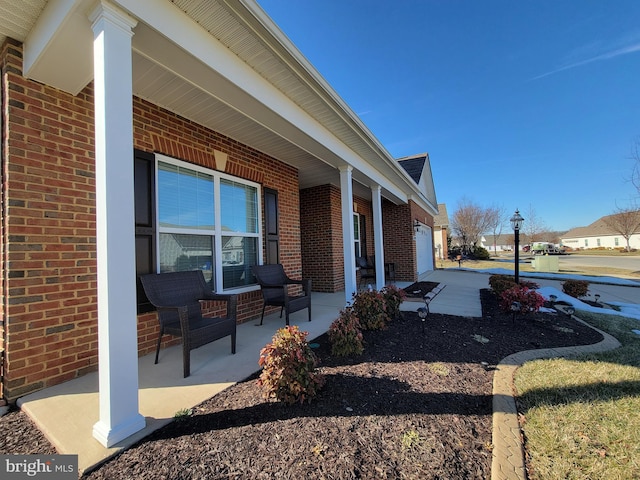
[[582, 415]]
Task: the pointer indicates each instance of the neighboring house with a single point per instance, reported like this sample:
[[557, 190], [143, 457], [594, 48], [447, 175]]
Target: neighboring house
[[499, 243], [441, 231], [153, 135], [598, 235]]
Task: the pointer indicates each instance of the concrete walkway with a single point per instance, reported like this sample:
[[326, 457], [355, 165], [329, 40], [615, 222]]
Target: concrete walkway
[[67, 412]]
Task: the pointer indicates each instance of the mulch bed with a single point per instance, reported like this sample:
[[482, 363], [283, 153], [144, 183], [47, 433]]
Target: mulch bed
[[416, 404]]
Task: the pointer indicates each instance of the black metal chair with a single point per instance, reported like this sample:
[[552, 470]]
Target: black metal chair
[[275, 290], [177, 296], [367, 270]]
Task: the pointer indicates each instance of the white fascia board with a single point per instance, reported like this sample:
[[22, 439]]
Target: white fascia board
[[179, 29]]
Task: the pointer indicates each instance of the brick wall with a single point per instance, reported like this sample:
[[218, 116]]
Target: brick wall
[[322, 251], [49, 314], [399, 240]]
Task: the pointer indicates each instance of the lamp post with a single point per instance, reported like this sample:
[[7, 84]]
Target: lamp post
[[516, 224]]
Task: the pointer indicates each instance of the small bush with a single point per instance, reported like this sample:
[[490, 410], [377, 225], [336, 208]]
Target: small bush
[[369, 307], [481, 253], [500, 283], [288, 367], [345, 334], [530, 300], [393, 297], [575, 288]]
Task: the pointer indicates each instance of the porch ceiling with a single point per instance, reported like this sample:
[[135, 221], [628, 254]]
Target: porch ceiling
[[285, 109]]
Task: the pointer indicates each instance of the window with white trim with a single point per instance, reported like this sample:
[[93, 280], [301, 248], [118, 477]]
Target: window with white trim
[[356, 235], [207, 221]]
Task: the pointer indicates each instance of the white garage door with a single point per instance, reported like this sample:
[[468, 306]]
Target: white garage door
[[424, 249]]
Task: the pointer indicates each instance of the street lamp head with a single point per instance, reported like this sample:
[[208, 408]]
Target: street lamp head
[[516, 221]]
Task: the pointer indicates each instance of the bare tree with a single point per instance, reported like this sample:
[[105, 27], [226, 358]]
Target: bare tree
[[534, 228], [496, 217], [625, 221], [635, 171], [469, 221]]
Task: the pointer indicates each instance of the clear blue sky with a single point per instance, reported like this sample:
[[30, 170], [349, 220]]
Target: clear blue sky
[[520, 104]]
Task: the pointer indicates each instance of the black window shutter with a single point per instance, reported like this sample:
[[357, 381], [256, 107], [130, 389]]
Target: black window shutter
[[145, 218]]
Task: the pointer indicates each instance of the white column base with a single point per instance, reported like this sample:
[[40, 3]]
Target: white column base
[[109, 436]]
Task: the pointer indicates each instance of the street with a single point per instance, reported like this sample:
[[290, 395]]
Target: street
[[631, 263]]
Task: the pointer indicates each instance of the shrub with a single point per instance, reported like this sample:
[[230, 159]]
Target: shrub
[[500, 283], [369, 307], [393, 297], [345, 334], [288, 367], [529, 284], [481, 253], [530, 300], [575, 288]]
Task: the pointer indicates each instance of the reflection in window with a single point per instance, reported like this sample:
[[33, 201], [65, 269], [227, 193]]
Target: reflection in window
[[238, 255], [179, 253]]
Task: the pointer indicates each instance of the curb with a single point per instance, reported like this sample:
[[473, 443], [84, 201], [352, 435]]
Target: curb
[[507, 461]]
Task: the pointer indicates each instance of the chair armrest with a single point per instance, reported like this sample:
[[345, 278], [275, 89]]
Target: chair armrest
[[305, 282], [179, 308], [231, 300]]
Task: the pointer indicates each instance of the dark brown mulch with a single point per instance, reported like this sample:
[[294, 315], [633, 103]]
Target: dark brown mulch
[[419, 289], [415, 404]]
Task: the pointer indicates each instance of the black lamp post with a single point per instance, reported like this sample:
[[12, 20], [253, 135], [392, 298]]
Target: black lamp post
[[516, 224]]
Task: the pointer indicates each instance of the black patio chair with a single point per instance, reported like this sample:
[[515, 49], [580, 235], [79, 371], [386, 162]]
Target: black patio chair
[[274, 284], [367, 270], [177, 296]]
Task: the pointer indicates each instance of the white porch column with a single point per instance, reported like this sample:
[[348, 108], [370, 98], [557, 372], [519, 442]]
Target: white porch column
[[117, 335], [376, 198], [348, 240]]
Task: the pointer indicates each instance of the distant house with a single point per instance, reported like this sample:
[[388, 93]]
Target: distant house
[[598, 235], [498, 243], [440, 232]]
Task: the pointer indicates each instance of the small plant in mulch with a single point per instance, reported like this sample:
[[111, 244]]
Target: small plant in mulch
[[345, 334], [575, 288], [499, 283], [289, 368], [530, 301], [369, 307], [393, 297]]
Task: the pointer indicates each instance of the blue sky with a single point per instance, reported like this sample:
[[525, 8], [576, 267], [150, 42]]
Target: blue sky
[[520, 104]]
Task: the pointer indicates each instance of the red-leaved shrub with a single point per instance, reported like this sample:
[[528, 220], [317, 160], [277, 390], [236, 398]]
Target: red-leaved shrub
[[530, 300], [369, 307], [345, 334], [289, 367]]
